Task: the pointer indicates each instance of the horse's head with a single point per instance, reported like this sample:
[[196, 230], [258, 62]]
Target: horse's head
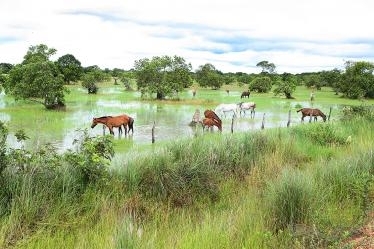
[[323, 117], [94, 122]]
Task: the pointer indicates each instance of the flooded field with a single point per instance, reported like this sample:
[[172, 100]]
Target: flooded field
[[171, 121]]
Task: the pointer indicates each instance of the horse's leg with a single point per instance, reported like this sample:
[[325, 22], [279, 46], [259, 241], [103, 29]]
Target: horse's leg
[[111, 129]]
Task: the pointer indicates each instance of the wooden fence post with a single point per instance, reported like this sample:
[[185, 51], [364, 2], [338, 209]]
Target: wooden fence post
[[153, 132], [263, 122], [232, 125], [289, 118], [329, 114]]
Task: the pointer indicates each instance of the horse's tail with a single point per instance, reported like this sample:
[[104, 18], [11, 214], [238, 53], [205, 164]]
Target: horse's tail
[[300, 110], [218, 124]]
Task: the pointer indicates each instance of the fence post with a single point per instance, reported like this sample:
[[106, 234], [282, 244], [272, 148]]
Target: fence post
[[289, 118], [263, 122], [153, 132], [232, 125], [328, 119]]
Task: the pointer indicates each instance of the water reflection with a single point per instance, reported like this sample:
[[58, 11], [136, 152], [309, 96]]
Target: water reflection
[[171, 121]]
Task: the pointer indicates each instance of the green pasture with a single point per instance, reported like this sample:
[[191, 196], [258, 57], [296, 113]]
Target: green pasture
[[307, 186]]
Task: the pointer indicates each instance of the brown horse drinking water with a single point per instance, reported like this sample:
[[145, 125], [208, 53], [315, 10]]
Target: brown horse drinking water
[[115, 121], [311, 112], [211, 119]]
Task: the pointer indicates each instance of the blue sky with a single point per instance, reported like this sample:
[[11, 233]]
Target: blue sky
[[297, 36]]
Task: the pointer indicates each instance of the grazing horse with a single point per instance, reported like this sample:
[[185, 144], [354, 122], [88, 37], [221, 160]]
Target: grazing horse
[[115, 121], [224, 108], [209, 122], [244, 106], [245, 94], [211, 119], [311, 112]]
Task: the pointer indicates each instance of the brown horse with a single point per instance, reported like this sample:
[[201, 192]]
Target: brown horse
[[211, 119], [245, 94], [209, 122], [115, 121], [311, 112]]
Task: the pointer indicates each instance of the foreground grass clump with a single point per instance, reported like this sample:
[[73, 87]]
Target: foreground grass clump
[[186, 171], [302, 187]]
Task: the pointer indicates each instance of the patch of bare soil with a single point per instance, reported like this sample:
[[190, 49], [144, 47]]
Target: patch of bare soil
[[364, 237]]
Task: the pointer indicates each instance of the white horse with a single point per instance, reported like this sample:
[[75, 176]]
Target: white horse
[[244, 106], [224, 108]]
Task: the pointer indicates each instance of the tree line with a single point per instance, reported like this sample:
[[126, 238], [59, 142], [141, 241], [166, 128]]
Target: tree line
[[40, 79]]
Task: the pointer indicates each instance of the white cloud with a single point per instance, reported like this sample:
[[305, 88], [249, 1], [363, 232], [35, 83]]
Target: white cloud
[[297, 36]]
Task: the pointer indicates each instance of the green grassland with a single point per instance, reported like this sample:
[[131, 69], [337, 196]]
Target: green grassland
[[307, 186]]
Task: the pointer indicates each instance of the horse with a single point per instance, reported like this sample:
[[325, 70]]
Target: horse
[[209, 122], [311, 112], [115, 121], [211, 119], [245, 94], [243, 106], [224, 108]]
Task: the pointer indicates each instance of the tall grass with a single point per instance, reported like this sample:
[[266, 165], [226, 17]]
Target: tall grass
[[285, 188]]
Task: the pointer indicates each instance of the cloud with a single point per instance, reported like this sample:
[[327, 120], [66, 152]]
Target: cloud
[[297, 36]]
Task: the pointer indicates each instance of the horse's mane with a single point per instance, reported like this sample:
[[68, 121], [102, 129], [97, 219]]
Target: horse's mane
[[211, 114], [104, 117]]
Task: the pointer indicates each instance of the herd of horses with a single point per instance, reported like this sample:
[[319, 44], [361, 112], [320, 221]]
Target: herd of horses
[[211, 118]]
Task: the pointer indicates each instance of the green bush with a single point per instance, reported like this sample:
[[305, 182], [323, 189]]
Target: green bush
[[322, 134]]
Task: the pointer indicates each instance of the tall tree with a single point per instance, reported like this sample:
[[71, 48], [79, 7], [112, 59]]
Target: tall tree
[[285, 85], [261, 84], [162, 75], [37, 78], [358, 80], [208, 76], [70, 67], [267, 67], [5, 67]]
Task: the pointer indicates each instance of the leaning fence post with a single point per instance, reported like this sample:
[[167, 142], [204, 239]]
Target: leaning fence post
[[153, 132], [263, 122], [329, 114], [289, 118], [232, 125]]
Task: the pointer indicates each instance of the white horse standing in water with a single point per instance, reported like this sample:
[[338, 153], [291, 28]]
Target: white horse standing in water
[[224, 108], [244, 106]]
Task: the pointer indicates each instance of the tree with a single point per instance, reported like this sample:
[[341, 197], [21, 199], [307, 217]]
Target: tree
[[70, 67], [331, 79], [358, 80], [261, 84], [5, 67], [37, 78], [208, 76], [267, 68], [162, 75], [285, 85]]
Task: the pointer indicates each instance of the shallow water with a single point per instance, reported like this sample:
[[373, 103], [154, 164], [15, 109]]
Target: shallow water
[[171, 121]]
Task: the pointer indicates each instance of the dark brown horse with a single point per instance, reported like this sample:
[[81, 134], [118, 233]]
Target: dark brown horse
[[115, 121], [311, 112], [211, 119], [245, 94]]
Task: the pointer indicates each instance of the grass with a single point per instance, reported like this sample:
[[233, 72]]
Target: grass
[[273, 188]]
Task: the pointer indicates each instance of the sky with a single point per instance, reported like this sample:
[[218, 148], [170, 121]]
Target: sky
[[233, 35]]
